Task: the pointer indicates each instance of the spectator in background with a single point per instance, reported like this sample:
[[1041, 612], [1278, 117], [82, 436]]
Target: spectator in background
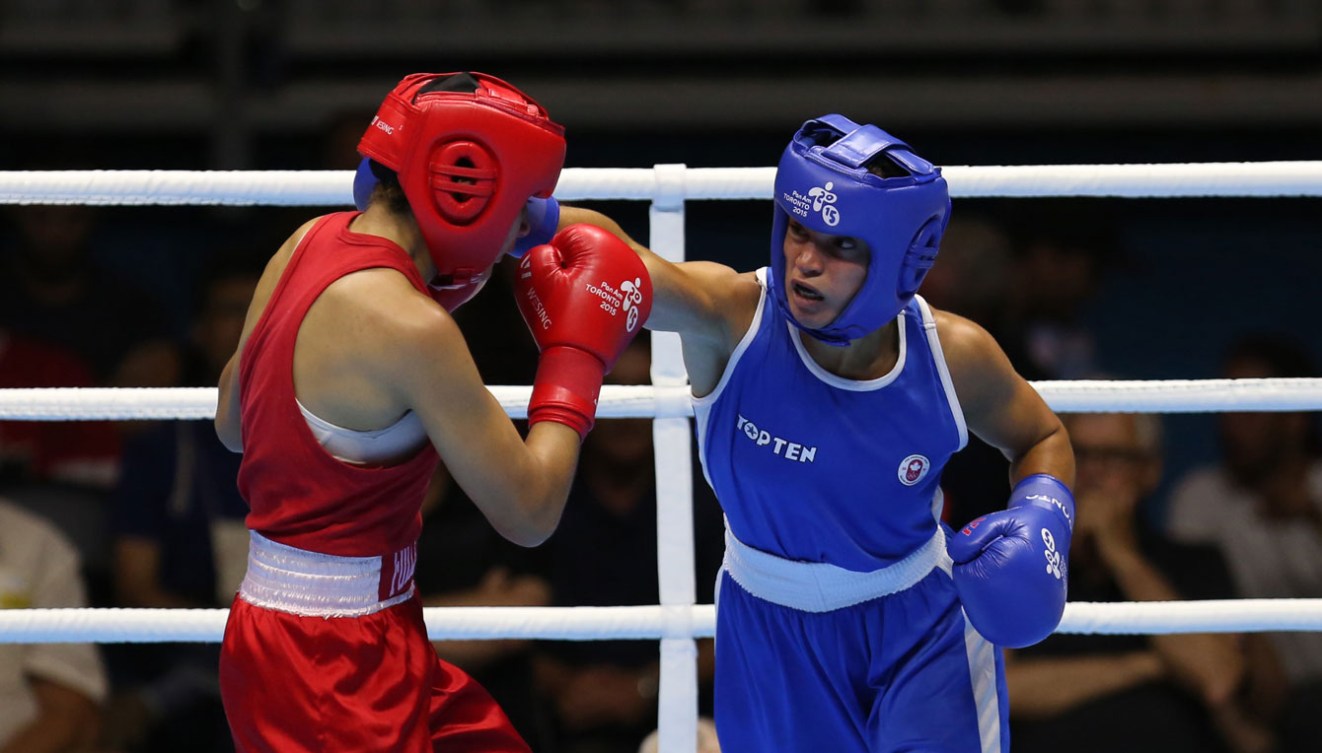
[[50, 694], [604, 693], [1173, 692], [1063, 249], [51, 290], [60, 470], [64, 322], [67, 453], [180, 539], [973, 273], [1261, 506]]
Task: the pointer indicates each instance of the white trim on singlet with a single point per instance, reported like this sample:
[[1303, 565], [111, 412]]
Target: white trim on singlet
[[398, 441], [702, 405], [852, 385], [939, 357]]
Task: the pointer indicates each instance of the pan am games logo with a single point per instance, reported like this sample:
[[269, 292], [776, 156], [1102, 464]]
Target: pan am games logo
[[823, 201], [627, 297], [819, 200]]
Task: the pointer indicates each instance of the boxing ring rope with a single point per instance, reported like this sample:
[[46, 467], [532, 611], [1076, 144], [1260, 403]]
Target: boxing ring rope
[[640, 623], [334, 187], [677, 620], [646, 401]]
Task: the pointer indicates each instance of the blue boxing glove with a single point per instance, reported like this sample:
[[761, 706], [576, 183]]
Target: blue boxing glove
[[543, 220], [1011, 566], [364, 182]]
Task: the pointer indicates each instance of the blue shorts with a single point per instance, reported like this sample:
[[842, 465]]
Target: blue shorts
[[904, 672]]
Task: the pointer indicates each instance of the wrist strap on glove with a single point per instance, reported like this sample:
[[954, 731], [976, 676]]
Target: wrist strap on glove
[[1047, 492], [566, 388]]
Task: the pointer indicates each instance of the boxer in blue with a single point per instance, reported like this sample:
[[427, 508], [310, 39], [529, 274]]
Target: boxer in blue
[[829, 397]]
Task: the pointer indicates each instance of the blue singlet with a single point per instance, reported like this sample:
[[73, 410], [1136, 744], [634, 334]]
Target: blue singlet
[[838, 627]]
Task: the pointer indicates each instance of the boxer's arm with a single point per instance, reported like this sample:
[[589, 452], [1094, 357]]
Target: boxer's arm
[[1044, 687], [66, 719], [1000, 406], [1209, 664], [1011, 567], [705, 300], [710, 305], [519, 486], [227, 407]]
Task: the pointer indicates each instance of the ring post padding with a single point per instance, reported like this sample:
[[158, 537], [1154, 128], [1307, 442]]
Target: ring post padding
[[677, 699]]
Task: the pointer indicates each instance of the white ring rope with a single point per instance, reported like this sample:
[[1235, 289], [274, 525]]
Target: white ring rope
[[334, 187], [639, 623], [443, 623], [631, 401]]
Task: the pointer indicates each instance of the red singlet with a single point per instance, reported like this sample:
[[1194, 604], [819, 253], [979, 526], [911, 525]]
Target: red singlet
[[325, 648]]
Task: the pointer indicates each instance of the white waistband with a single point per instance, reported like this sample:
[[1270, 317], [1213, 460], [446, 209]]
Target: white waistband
[[311, 584], [823, 587]]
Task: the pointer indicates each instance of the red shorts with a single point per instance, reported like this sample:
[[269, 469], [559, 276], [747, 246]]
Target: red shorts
[[370, 683]]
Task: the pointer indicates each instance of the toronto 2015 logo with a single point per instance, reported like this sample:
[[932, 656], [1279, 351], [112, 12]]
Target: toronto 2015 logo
[[823, 201], [819, 199]]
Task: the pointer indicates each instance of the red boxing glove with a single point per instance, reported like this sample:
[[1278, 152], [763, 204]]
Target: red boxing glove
[[584, 296]]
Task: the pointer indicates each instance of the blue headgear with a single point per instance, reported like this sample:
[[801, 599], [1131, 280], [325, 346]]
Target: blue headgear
[[823, 183]]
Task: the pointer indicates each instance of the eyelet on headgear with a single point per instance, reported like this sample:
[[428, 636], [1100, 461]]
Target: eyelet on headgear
[[469, 150], [823, 181]]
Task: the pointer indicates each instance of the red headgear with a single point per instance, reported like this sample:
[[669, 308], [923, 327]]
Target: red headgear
[[469, 150]]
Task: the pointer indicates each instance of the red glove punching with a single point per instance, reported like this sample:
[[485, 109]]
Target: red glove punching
[[584, 295]]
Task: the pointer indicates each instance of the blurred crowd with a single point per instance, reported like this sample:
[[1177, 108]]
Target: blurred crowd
[[146, 514]]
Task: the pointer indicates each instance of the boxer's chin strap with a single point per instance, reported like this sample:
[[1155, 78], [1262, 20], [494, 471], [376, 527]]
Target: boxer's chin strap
[[456, 288]]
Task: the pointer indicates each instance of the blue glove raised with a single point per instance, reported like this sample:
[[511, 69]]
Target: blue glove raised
[[543, 219], [1012, 566]]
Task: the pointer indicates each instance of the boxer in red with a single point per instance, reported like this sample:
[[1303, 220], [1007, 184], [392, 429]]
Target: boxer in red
[[350, 380]]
